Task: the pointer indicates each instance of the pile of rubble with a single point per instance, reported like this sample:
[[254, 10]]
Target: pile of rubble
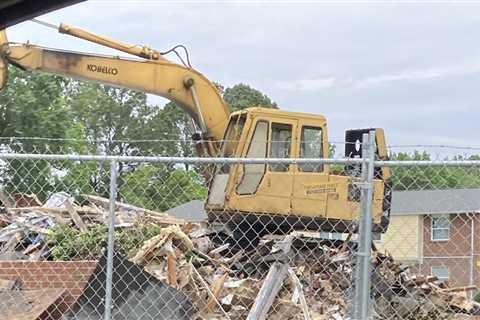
[[284, 277], [26, 221], [291, 277]]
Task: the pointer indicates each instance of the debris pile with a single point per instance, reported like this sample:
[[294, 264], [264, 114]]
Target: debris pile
[[291, 277], [26, 222]]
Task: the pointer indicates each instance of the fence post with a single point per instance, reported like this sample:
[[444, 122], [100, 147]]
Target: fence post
[[363, 274], [110, 243]]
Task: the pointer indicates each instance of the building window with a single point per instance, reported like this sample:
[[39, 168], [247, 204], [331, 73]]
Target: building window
[[441, 272], [440, 227]]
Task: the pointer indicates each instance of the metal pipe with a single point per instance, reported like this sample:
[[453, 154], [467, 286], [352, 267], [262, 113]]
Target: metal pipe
[[428, 163], [192, 160], [363, 280], [140, 51], [110, 242]]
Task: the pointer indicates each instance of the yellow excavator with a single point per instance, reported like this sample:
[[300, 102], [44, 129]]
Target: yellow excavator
[[266, 198]]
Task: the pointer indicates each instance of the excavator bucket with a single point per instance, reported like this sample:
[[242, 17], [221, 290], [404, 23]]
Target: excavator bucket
[[3, 61]]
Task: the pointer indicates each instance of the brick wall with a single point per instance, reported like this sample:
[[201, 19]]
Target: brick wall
[[456, 252], [71, 275]]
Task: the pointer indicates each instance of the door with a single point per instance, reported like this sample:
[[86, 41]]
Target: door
[[311, 187], [268, 188]]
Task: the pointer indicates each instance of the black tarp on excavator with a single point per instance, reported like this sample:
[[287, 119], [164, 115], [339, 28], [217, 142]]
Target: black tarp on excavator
[[136, 295], [16, 11]]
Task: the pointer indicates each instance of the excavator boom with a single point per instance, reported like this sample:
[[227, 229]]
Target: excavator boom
[[189, 88]]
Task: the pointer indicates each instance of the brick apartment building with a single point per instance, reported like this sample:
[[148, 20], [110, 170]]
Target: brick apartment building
[[438, 231]]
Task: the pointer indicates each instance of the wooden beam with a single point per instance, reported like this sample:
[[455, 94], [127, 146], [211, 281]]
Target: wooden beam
[[74, 215]]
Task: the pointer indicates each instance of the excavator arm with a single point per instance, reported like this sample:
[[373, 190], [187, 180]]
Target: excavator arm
[[156, 75]]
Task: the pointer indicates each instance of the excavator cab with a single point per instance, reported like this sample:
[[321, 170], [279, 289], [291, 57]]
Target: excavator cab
[[281, 197]]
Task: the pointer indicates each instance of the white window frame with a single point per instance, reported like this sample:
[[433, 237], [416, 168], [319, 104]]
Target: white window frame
[[443, 267], [432, 228]]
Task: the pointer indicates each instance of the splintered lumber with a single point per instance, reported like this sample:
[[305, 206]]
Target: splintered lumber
[[48, 210], [154, 215], [206, 287], [460, 289], [12, 243], [31, 248], [153, 246], [269, 290], [217, 287], [74, 215], [172, 269], [299, 289], [272, 284]]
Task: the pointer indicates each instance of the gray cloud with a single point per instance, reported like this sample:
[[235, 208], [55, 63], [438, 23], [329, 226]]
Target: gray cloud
[[413, 69]]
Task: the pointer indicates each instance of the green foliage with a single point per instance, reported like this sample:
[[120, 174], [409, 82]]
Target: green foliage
[[68, 243], [242, 96], [160, 188], [32, 105], [432, 177]]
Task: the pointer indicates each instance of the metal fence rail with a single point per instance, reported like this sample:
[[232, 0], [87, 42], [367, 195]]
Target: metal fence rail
[[114, 237]]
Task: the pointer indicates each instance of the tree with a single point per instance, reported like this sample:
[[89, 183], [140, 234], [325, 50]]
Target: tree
[[242, 96], [160, 187], [432, 177], [115, 121], [32, 105]]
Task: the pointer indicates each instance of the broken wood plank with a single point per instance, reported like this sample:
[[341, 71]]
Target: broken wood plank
[[31, 248], [81, 210], [217, 288], [74, 215], [273, 281], [12, 243], [165, 220], [460, 289], [106, 202], [172, 269], [299, 288], [207, 288], [269, 290]]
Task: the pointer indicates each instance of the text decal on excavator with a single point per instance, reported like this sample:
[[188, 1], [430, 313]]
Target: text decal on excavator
[[321, 188], [102, 69]]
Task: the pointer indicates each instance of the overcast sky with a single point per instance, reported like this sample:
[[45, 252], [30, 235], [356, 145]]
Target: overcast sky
[[411, 69]]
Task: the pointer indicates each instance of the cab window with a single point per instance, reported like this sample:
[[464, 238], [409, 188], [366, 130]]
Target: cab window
[[232, 139], [254, 172], [311, 146], [280, 145]]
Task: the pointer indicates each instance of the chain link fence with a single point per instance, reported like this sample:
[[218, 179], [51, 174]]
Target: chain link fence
[[139, 237]]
